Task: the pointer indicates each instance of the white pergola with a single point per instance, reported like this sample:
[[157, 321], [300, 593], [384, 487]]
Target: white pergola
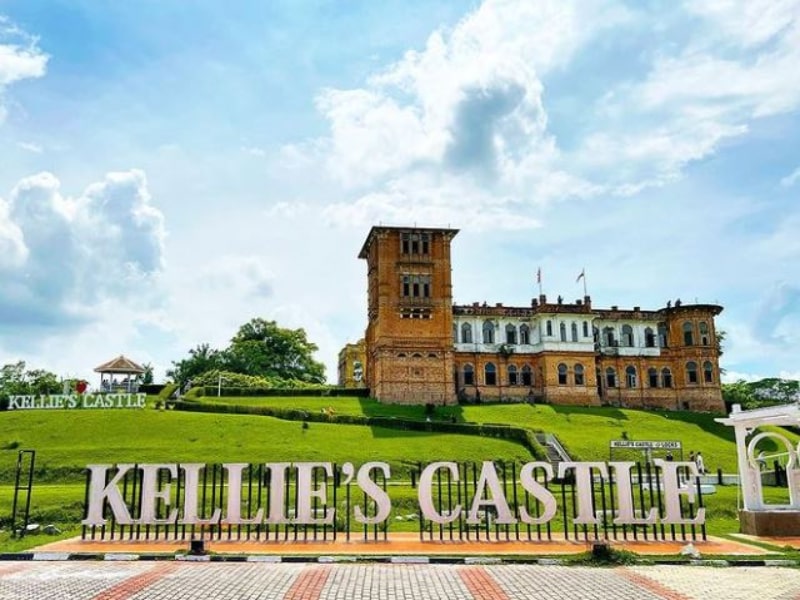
[[745, 423]]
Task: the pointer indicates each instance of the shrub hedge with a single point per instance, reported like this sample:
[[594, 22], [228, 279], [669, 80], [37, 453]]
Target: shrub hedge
[[212, 390], [520, 435]]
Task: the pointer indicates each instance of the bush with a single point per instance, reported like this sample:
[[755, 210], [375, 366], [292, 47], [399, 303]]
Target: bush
[[167, 391]]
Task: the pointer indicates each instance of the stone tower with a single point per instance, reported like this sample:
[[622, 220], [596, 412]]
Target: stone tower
[[409, 339]]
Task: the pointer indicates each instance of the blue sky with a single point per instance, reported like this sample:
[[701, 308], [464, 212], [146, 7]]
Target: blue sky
[[169, 170]]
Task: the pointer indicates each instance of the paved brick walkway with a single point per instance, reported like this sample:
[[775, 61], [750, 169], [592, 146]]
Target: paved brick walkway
[[221, 581]]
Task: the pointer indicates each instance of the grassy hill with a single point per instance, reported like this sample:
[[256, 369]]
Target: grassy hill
[[66, 441], [585, 432]]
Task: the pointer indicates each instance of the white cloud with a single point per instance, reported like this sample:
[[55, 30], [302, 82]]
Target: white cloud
[[20, 58], [30, 147], [791, 178], [70, 254], [471, 107]]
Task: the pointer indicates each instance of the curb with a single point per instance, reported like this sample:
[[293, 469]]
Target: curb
[[385, 559]]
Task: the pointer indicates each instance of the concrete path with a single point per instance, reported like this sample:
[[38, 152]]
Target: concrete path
[[287, 581]]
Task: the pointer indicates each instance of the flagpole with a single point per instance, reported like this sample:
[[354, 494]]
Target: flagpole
[[584, 282], [539, 279]]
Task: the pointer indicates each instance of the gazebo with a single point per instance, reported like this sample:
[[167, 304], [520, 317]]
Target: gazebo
[[128, 371]]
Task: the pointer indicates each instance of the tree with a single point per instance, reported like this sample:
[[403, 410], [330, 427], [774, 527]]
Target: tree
[[201, 359], [147, 376], [262, 348], [16, 380]]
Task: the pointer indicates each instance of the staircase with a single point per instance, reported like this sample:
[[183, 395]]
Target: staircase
[[555, 451]]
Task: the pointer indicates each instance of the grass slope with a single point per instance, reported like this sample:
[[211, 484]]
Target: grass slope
[[66, 441], [586, 432]]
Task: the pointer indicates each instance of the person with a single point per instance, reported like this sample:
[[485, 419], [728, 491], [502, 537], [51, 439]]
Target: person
[[701, 466], [691, 456], [669, 456]]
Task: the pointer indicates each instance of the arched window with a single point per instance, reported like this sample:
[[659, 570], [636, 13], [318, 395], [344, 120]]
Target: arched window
[[490, 374], [466, 333], [527, 375], [627, 336], [611, 377], [630, 376], [549, 328], [513, 376], [652, 377], [691, 372], [708, 372], [608, 336], [455, 333], [586, 329], [574, 332], [524, 334], [579, 377], [469, 375], [562, 374], [688, 334], [666, 377], [511, 334], [704, 337], [649, 338], [563, 331], [488, 332]]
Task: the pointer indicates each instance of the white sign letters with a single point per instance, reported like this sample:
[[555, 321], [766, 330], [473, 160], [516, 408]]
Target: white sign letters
[[158, 481]]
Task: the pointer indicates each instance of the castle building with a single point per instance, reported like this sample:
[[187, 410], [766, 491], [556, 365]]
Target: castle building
[[421, 348]]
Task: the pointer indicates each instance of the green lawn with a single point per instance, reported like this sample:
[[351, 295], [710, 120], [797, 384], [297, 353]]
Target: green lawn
[[586, 432], [66, 441]]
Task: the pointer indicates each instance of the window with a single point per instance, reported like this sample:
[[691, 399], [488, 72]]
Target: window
[[652, 377], [490, 374], [562, 374], [585, 329], [466, 333], [524, 334], [630, 376], [416, 286], [691, 372], [608, 336], [688, 334], [708, 372], [627, 336], [513, 376], [579, 375], [469, 375], [549, 328], [649, 338], [488, 332], [415, 243], [527, 376], [704, 337], [455, 333], [662, 335], [574, 331], [611, 377], [666, 378], [563, 331], [511, 334]]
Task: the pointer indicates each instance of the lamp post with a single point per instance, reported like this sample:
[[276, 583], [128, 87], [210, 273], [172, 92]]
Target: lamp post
[[219, 386]]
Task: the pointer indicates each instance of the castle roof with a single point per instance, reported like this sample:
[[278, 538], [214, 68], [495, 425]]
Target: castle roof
[[378, 229]]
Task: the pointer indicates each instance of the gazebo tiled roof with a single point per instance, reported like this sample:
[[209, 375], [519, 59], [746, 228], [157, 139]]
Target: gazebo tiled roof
[[121, 364]]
